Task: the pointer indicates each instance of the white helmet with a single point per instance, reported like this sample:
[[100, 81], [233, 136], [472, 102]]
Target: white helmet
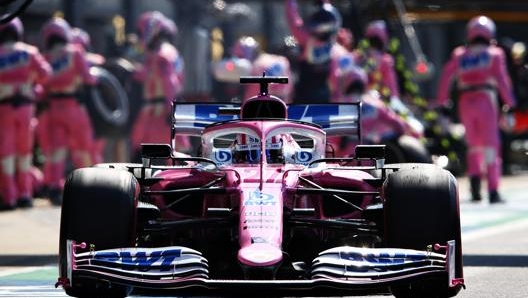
[[481, 26]]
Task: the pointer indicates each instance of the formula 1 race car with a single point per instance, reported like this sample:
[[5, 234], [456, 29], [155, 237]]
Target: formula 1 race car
[[262, 210]]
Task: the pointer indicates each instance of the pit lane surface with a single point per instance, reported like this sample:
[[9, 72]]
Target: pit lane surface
[[495, 246]]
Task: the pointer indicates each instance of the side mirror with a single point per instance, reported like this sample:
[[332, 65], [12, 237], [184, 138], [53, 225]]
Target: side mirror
[[370, 151], [150, 150]]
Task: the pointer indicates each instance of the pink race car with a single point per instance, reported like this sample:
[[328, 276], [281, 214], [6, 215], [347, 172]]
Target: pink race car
[[262, 210]]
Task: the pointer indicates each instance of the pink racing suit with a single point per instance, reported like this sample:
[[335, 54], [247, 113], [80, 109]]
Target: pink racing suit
[[66, 124], [481, 72], [380, 70], [21, 68], [272, 65], [162, 76]]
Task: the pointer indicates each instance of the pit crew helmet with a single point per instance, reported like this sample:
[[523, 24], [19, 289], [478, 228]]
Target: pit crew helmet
[[377, 32], [246, 47], [169, 29], [150, 25], [15, 26], [56, 28], [324, 22], [81, 37], [480, 27], [354, 81]]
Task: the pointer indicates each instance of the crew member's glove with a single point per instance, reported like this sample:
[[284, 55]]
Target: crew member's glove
[[507, 119]]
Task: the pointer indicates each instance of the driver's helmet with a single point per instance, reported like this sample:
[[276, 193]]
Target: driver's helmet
[[274, 153], [324, 22], [247, 150], [480, 27], [15, 26], [377, 34], [246, 47]]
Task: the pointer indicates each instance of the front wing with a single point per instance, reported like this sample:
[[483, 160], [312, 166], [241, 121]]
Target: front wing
[[335, 272]]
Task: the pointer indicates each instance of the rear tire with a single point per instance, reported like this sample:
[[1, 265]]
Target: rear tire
[[406, 149], [99, 208], [422, 209]]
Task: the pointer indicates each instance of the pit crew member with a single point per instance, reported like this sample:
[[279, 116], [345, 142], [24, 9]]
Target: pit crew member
[[480, 68]]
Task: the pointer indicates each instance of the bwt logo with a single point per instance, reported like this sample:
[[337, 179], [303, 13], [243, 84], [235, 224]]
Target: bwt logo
[[303, 156], [223, 156], [381, 258], [256, 198], [139, 260]]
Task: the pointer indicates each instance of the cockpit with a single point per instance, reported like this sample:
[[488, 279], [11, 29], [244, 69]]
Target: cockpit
[[247, 149], [285, 143]]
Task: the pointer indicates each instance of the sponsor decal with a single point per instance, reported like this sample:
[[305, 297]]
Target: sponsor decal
[[143, 260], [257, 198], [13, 59], [222, 156], [303, 156], [468, 62], [396, 257], [260, 213], [61, 63]]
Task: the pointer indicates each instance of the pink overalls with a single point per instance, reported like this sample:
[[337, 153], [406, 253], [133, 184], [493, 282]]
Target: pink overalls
[[66, 124], [22, 67], [162, 76], [481, 72]]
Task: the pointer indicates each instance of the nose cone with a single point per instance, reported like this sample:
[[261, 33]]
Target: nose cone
[[260, 254]]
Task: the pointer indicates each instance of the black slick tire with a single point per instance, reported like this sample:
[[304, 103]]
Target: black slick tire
[[99, 208], [422, 209]]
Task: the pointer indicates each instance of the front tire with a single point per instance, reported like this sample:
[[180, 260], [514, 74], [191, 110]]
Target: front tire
[[422, 209], [99, 208]]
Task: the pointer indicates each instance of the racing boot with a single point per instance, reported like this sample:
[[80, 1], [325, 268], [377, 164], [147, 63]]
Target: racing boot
[[25, 202], [6, 206], [55, 196], [495, 198], [474, 182]]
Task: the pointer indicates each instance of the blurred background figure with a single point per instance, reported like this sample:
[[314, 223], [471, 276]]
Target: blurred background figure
[[480, 70], [380, 123], [345, 38], [249, 48], [81, 38], [342, 61], [379, 64], [68, 127], [315, 38], [163, 78], [22, 70]]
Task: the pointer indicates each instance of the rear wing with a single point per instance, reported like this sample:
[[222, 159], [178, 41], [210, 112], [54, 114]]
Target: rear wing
[[336, 119]]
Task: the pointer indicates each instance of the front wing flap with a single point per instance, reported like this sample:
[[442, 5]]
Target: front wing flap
[[337, 271]]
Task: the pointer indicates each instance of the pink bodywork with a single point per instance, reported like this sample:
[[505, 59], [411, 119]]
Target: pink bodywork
[[260, 192]]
